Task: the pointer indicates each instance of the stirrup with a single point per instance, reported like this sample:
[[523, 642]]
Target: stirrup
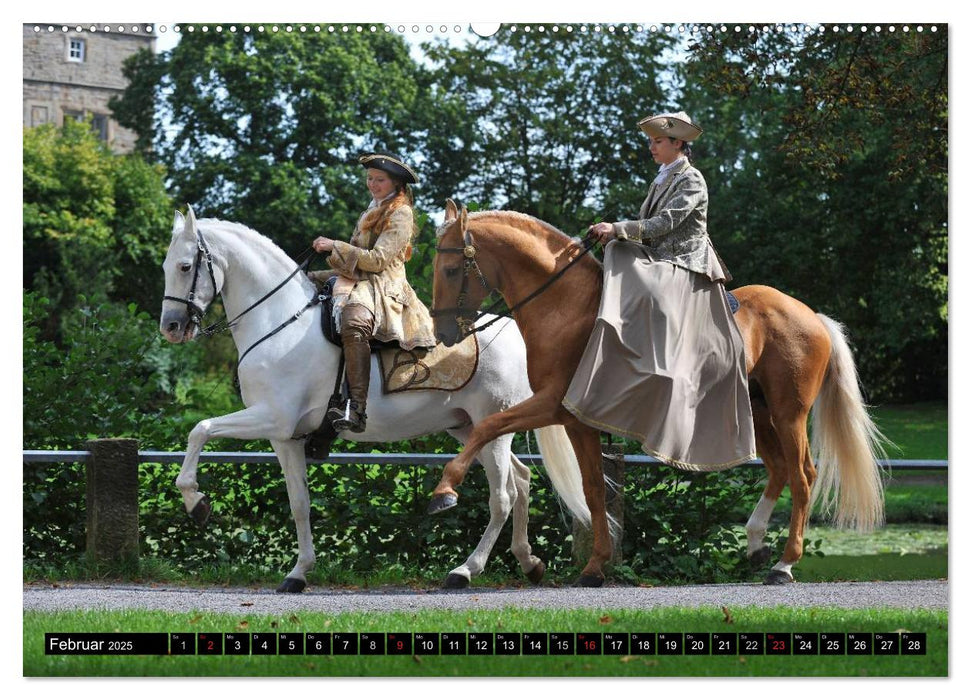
[[347, 417]]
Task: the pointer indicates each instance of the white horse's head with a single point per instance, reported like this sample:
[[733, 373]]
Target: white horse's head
[[192, 280]]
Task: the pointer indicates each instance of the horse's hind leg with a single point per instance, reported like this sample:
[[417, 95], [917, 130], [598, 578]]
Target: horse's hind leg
[[532, 566], [586, 446], [502, 494], [767, 443], [795, 449], [294, 463]]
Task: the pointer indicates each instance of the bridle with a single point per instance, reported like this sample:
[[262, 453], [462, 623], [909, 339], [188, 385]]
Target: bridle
[[467, 325], [469, 266], [196, 312]]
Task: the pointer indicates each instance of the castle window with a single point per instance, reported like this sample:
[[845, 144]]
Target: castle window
[[38, 115], [99, 123], [75, 50]]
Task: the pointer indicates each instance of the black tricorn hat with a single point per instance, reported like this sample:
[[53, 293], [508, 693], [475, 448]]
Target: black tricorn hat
[[390, 163]]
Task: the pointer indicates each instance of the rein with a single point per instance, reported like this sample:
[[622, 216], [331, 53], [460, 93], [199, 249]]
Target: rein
[[466, 325], [196, 312]]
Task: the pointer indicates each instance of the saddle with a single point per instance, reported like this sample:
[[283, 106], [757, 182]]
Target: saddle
[[327, 325], [419, 369]]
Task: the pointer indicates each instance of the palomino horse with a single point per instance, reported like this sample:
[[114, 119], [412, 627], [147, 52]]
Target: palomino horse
[[287, 372], [797, 361]]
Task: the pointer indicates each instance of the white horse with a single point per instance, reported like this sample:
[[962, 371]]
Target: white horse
[[286, 378]]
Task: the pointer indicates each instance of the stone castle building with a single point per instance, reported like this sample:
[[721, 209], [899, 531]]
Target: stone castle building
[[71, 74]]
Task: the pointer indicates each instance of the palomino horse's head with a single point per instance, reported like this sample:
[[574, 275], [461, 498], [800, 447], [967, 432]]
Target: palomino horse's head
[[192, 281], [459, 285]]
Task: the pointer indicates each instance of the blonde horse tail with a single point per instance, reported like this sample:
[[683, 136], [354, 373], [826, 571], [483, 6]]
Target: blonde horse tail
[[563, 469], [846, 443]]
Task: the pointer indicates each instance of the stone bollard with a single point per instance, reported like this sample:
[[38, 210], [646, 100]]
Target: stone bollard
[[112, 502], [613, 467]]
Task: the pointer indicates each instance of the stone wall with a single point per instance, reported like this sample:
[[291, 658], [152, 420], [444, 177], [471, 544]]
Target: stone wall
[[58, 86]]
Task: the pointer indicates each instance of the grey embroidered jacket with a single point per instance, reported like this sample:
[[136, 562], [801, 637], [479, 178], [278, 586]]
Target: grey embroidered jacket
[[672, 224]]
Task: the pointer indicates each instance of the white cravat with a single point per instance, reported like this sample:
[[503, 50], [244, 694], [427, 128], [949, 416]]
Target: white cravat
[[663, 170]]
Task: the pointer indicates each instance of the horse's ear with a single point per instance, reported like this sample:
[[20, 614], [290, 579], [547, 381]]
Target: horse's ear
[[464, 218], [179, 224], [191, 227], [451, 211]]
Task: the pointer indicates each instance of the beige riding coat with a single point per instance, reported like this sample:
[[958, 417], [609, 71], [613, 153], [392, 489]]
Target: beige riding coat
[[673, 223], [375, 265]]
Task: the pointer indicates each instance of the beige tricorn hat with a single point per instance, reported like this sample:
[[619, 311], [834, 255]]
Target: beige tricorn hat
[[677, 126]]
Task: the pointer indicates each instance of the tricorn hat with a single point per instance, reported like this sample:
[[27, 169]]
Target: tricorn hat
[[390, 163], [677, 126]]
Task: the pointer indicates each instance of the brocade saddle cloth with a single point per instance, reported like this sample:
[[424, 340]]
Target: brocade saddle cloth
[[421, 369]]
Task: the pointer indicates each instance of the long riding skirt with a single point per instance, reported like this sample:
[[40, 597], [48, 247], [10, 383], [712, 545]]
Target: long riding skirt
[[665, 365]]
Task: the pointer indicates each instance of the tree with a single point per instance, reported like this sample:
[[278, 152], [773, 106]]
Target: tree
[[265, 128], [826, 157], [545, 121], [92, 220]]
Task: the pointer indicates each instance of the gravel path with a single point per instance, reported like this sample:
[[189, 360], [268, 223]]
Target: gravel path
[[894, 594]]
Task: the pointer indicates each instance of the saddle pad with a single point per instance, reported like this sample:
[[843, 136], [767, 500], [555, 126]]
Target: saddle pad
[[421, 369], [732, 301]]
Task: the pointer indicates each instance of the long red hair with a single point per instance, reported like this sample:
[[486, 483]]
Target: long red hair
[[377, 219]]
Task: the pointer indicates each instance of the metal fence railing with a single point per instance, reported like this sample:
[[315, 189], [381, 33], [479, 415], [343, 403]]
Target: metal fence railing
[[390, 458]]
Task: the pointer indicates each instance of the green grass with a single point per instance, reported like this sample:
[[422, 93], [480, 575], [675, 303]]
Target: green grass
[[919, 430], [747, 619]]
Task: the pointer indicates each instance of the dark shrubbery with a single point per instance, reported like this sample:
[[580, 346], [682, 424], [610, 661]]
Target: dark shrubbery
[[369, 518]]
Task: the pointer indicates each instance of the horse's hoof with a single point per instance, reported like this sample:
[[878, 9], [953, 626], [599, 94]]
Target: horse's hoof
[[454, 582], [201, 512], [778, 578], [441, 502], [588, 581], [536, 574], [760, 557], [291, 585]]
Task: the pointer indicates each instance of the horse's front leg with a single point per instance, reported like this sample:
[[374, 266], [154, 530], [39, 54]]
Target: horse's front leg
[[294, 462], [249, 424], [535, 412]]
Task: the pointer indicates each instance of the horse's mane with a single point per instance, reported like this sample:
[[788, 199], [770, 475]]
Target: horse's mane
[[533, 226], [251, 236]]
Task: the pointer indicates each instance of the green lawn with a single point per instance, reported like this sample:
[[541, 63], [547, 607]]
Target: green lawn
[[919, 430], [670, 620]]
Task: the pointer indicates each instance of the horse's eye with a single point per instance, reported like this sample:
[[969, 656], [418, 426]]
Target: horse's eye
[[452, 272], [185, 267]]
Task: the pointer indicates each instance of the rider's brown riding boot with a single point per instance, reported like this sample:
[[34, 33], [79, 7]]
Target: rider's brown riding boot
[[352, 416], [356, 324]]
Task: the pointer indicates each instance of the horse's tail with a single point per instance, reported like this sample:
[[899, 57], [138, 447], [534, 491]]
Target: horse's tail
[[563, 469], [846, 443]]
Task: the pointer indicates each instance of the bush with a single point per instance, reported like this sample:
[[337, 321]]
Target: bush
[[367, 519]]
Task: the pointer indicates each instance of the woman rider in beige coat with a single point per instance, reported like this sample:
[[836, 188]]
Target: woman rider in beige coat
[[372, 297]]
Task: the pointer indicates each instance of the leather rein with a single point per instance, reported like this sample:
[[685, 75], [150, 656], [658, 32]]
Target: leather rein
[[467, 325], [196, 312]]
